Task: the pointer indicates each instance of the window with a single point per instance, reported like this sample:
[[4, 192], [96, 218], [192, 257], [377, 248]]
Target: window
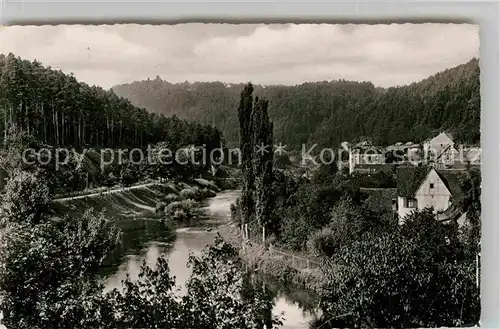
[[410, 203], [431, 185], [394, 204]]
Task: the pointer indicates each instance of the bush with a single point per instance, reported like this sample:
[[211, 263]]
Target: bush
[[196, 193], [181, 210], [207, 184], [323, 242], [190, 193], [415, 276], [48, 275], [171, 197], [160, 206], [26, 198], [207, 193]]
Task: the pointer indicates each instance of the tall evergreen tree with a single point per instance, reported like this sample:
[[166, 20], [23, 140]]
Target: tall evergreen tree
[[263, 161], [246, 149]]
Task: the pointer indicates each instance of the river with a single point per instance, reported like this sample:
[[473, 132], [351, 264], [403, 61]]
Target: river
[[146, 239]]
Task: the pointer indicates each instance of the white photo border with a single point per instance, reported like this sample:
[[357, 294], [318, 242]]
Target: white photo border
[[483, 13]]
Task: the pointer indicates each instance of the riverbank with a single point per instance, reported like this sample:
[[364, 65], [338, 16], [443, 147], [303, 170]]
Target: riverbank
[[279, 266], [178, 200]]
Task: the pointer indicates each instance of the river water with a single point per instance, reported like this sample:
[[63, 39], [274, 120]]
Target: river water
[[147, 239]]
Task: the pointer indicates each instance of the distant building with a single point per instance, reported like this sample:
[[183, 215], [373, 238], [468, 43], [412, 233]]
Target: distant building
[[472, 155], [422, 187], [440, 151], [408, 151], [365, 153]]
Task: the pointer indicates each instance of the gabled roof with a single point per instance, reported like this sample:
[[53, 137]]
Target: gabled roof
[[373, 149], [454, 212], [379, 198], [409, 179], [449, 135], [451, 179], [443, 133]]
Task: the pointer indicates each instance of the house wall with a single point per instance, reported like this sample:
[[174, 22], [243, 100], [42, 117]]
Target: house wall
[[437, 197], [372, 159], [449, 156], [441, 140], [402, 210], [438, 144], [413, 154]]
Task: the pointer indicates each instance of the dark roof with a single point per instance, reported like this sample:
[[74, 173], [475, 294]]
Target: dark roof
[[452, 213], [449, 135], [408, 179], [375, 166], [379, 198], [451, 179]]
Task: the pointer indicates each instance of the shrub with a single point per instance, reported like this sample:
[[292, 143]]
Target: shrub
[[26, 198], [160, 206], [416, 276], [171, 197], [190, 193], [180, 210], [323, 242], [207, 193], [179, 214], [207, 184]]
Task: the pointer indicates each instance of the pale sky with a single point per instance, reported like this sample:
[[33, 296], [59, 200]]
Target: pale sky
[[106, 55]]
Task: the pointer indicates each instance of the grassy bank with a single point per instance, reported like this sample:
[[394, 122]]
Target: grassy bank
[[171, 200], [274, 265]]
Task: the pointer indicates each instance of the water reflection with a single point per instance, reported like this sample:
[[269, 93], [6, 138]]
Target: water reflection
[[147, 239], [141, 239]]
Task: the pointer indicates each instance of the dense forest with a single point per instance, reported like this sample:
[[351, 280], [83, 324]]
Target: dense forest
[[329, 112], [57, 109]]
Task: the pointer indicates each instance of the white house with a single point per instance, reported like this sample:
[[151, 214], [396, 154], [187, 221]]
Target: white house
[[423, 187], [440, 150]]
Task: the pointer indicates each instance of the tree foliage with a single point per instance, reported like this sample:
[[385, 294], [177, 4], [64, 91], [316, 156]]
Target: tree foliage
[[48, 273], [256, 143], [49, 277], [26, 198], [247, 203], [413, 277], [329, 112], [55, 108]]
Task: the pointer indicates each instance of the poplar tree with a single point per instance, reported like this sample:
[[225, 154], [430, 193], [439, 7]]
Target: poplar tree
[[246, 149], [263, 161], [256, 145]]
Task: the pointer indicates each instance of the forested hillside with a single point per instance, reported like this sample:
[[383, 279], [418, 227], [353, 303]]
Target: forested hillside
[[57, 109], [329, 112]]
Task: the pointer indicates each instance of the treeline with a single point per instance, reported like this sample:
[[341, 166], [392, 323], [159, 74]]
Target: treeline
[[329, 112], [377, 274], [50, 276], [57, 109]]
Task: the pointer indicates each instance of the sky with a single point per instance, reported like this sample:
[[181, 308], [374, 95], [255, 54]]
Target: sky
[[289, 54]]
